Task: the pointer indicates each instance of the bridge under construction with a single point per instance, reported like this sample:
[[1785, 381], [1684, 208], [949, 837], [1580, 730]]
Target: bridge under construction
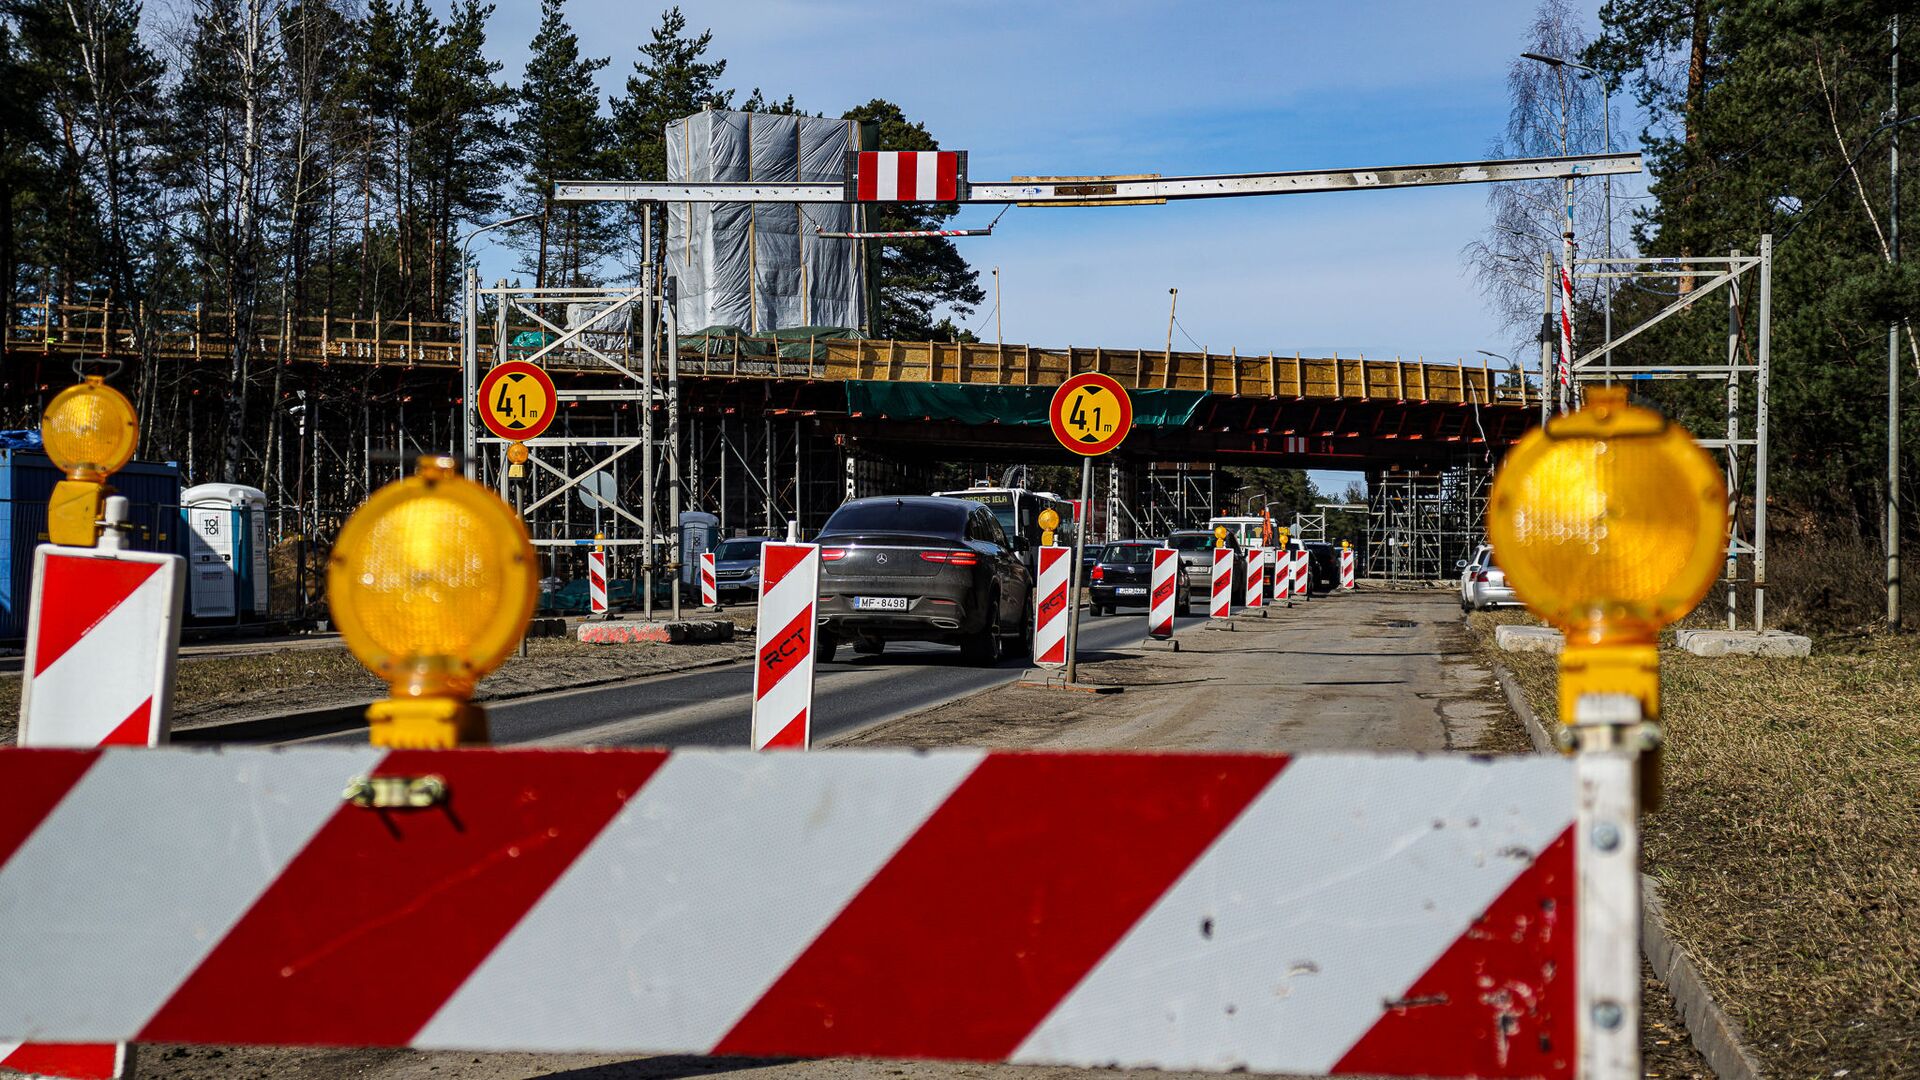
[[773, 428]]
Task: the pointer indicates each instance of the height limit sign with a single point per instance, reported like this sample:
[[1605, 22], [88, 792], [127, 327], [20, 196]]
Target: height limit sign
[[517, 400], [1091, 414]]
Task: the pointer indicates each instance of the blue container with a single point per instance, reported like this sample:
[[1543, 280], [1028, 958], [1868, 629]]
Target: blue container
[[27, 477]]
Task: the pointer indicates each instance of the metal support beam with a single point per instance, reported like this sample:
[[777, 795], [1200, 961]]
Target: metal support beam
[[1118, 189]]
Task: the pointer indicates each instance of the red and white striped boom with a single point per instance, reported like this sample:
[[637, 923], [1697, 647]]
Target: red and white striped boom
[[1081, 192]]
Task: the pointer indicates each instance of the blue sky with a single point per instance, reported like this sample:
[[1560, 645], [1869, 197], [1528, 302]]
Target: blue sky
[[1124, 86]]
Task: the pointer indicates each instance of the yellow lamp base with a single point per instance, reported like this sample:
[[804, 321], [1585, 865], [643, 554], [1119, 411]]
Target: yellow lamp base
[[426, 723], [73, 513], [1610, 669]]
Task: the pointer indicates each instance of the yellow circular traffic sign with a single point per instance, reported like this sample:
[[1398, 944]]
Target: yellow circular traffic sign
[[1091, 414], [517, 400], [1610, 522]]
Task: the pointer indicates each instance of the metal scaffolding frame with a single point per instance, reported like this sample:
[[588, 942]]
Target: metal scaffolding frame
[[1720, 272], [1421, 525], [1179, 496]]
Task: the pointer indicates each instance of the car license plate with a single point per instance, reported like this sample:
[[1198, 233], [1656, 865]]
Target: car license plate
[[1131, 590], [880, 603]]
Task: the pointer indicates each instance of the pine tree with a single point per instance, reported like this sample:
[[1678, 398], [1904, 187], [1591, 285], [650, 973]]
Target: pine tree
[[914, 278], [669, 81], [561, 136]]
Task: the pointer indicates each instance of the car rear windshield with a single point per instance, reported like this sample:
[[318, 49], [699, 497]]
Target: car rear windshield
[[1129, 555], [738, 550], [1190, 541], [937, 519]]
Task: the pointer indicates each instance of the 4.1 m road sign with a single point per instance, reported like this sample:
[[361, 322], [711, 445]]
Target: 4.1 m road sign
[[517, 400], [1091, 414]]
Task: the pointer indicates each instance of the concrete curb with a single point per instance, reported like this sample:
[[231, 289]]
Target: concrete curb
[[338, 718], [1714, 1033]]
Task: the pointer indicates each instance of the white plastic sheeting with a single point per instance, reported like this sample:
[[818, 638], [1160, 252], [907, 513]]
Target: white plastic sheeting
[[761, 266]]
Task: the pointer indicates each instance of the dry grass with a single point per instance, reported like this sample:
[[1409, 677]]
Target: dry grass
[[1789, 847]]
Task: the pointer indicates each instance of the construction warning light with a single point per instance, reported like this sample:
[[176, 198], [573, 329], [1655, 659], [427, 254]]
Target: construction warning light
[[1049, 521], [1610, 522], [1219, 536], [431, 583], [89, 430]]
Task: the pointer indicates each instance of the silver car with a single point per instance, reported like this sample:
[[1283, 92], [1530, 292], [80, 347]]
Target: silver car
[[1196, 559], [1483, 584]]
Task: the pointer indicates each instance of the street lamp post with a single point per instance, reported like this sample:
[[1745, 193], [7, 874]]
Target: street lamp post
[[470, 346]]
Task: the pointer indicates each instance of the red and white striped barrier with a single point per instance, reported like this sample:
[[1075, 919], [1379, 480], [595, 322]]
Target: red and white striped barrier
[[1256, 577], [1222, 606], [784, 637], [1162, 589], [1283, 574], [1302, 574], [709, 581], [597, 580], [1050, 607], [101, 643], [1437, 916], [907, 176], [1348, 564]]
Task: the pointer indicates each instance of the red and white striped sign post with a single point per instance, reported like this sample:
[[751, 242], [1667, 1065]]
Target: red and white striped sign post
[[1439, 916], [1348, 561], [784, 637], [1283, 575], [709, 581], [1302, 574], [1222, 607], [1050, 607], [597, 582], [1257, 579], [101, 643], [1162, 587]]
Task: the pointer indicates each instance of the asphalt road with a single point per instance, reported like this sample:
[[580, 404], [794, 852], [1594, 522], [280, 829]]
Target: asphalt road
[[713, 706]]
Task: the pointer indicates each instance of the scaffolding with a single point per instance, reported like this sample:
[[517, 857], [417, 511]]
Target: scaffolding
[[1746, 370], [1179, 495], [1420, 526]]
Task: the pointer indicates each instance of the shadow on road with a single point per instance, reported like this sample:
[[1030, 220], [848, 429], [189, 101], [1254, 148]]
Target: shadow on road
[[665, 1067]]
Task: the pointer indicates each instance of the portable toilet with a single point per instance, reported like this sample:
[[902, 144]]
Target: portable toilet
[[699, 534], [226, 530]]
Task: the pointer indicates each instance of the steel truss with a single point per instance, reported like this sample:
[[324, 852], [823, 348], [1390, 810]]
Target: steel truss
[[1720, 272], [1420, 525]]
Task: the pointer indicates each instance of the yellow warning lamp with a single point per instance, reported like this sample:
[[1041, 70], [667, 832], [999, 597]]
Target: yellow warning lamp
[[517, 454], [89, 430], [1049, 521], [431, 583], [1219, 536], [1610, 523]]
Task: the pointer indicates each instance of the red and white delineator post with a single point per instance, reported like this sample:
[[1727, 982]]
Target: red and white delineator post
[[1222, 605], [1348, 567], [102, 638], [1283, 575], [709, 581], [784, 638], [1438, 916], [1050, 611], [1302, 574], [1257, 579], [1161, 591], [597, 581]]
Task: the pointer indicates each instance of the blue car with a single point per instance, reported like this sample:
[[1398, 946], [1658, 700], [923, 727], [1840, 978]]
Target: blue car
[[736, 569]]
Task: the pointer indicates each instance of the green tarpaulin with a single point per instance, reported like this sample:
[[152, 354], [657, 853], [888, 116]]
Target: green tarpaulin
[[1026, 405]]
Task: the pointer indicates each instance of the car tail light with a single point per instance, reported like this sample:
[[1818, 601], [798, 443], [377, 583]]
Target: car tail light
[[951, 558], [832, 554], [1481, 576], [1099, 574]]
